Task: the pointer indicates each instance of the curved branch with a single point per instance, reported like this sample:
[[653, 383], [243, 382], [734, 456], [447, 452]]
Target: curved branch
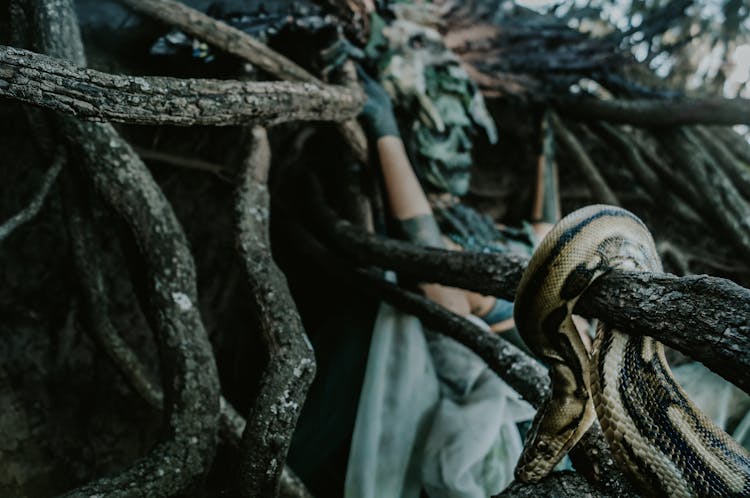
[[707, 318], [241, 44], [27, 213], [222, 35], [58, 85], [190, 379], [649, 113], [522, 373], [291, 363], [189, 373], [712, 323]]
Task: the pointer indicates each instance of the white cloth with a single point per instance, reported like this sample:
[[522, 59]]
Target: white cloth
[[431, 416]]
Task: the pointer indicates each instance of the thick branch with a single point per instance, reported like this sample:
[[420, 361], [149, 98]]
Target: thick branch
[[231, 427], [239, 43], [719, 329], [523, 373], [191, 396], [58, 85], [707, 318], [648, 113], [487, 273], [558, 484], [291, 364]]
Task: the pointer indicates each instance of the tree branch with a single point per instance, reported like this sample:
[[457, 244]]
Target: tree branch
[[558, 484], [239, 43], [522, 373], [291, 363], [28, 213], [191, 396], [707, 318], [649, 113], [712, 326], [223, 36], [599, 188], [85, 93]]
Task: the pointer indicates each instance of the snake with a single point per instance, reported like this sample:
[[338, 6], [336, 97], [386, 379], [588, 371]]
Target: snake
[[660, 440]]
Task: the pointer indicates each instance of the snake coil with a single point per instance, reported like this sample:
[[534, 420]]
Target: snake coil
[[659, 438]]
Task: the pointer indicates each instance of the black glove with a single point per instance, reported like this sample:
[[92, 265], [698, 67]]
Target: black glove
[[377, 116]]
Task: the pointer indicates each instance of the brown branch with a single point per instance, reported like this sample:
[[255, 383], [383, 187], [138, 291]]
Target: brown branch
[[522, 373], [239, 43], [33, 208], [558, 484], [721, 203], [291, 364], [649, 113], [599, 188], [85, 93], [707, 318], [188, 368], [718, 343], [223, 36]]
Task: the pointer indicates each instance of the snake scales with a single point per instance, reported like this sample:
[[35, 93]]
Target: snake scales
[[658, 436]]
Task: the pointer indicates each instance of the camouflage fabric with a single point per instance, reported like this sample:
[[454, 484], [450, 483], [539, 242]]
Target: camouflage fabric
[[425, 79]]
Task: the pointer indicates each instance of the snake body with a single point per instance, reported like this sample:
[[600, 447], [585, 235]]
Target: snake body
[[659, 438]]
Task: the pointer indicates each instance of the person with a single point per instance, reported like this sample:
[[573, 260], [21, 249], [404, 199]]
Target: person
[[425, 413], [431, 415]]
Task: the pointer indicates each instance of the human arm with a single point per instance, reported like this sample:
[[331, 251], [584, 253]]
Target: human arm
[[406, 198]]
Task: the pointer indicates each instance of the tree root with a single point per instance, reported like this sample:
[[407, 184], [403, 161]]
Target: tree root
[[291, 364]]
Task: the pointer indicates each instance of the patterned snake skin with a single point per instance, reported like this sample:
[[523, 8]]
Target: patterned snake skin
[[658, 436]]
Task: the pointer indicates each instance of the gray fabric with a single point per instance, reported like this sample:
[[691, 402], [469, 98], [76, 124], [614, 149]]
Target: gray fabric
[[431, 415], [473, 443], [397, 398]]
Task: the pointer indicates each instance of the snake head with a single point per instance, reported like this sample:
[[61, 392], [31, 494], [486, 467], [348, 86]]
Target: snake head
[[558, 426]]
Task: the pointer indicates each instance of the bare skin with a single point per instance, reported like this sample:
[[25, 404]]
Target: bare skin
[[407, 201], [411, 208]]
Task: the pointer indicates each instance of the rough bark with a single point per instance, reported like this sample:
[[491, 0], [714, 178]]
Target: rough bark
[[719, 329], [188, 368], [88, 94], [522, 372], [558, 484], [239, 43], [706, 318], [291, 364], [650, 113]]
